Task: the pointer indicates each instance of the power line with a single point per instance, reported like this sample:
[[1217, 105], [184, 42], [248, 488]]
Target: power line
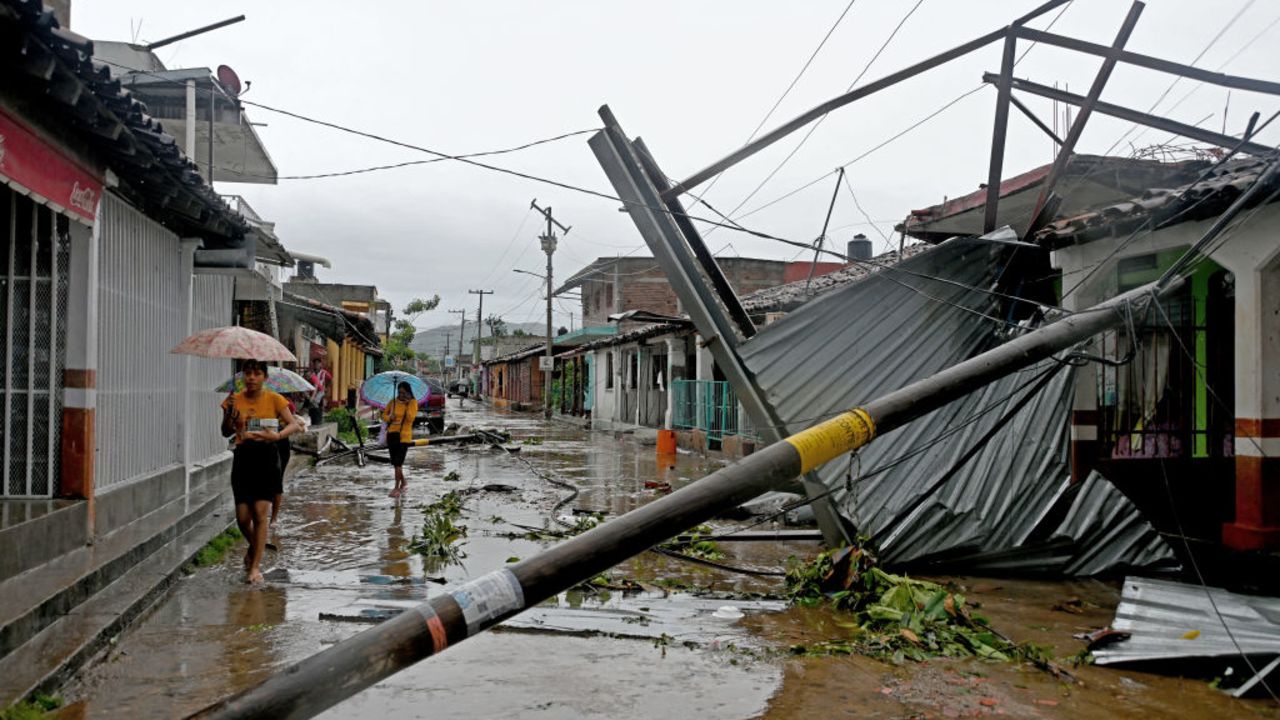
[[512, 242], [393, 166], [887, 241], [786, 92], [917, 124], [814, 127], [1177, 79]]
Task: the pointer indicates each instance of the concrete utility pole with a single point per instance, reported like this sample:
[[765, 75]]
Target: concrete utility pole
[[309, 687], [479, 320], [461, 336], [548, 247]]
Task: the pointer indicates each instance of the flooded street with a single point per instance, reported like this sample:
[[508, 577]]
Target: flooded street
[[345, 561]]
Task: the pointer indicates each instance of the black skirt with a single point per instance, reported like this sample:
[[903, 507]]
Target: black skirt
[[397, 449], [255, 472]]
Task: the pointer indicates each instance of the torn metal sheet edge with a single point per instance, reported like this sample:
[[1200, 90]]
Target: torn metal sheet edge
[[1171, 620]]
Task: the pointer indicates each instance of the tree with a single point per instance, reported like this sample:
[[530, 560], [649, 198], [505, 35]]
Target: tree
[[497, 326], [398, 355]]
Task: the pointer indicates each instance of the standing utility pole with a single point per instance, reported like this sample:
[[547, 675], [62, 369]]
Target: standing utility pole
[[548, 247], [479, 320], [461, 335]]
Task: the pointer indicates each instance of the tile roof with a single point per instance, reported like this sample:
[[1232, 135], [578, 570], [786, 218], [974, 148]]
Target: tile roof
[[1159, 207], [782, 298], [53, 69]]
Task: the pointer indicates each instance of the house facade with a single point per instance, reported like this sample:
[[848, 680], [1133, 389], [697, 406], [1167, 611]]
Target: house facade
[[1190, 402], [113, 249]]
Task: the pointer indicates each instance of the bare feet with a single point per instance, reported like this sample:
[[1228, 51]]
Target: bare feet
[[394, 493], [248, 558], [253, 577]]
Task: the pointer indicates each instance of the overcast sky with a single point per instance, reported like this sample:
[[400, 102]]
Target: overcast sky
[[693, 78]]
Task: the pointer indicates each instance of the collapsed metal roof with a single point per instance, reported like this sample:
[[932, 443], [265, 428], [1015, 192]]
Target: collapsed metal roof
[[1175, 621], [1011, 506], [1169, 620]]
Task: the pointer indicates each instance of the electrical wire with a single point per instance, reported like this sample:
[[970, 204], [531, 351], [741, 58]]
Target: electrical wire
[[790, 87], [1182, 535], [394, 166], [888, 243], [1178, 78], [520, 228], [923, 447], [1147, 224], [917, 124], [813, 127], [1071, 188]]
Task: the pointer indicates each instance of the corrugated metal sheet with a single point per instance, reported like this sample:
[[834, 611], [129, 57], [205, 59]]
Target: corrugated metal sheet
[[1160, 614], [1011, 506]]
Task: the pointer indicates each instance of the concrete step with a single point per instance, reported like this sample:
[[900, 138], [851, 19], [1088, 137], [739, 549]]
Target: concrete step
[[36, 598], [59, 650]]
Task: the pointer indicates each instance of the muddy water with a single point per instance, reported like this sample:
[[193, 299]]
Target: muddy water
[[344, 561], [344, 556], [1024, 610]]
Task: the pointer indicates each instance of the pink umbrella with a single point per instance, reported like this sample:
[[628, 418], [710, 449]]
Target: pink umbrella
[[234, 342]]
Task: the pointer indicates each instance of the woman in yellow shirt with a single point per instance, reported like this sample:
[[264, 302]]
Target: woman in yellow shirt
[[399, 415], [258, 418]]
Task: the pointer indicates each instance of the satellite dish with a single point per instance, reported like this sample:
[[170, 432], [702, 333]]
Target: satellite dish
[[229, 80]]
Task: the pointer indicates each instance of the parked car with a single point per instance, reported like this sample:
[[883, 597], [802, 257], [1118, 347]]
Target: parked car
[[460, 388], [432, 413]]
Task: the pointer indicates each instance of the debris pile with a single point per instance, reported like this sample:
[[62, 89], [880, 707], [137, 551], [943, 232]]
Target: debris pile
[[895, 616], [440, 532]]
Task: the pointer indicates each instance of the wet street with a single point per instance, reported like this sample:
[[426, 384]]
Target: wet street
[[345, 560]]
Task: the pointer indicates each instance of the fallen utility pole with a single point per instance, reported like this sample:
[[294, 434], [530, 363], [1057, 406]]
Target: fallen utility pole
[[321, 681]]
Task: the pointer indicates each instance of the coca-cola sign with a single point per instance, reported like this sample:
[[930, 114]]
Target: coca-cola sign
[[45, 172]]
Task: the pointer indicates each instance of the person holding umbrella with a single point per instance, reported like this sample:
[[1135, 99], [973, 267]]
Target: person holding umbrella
[[259, 419], [399, 394], [286, 383], [398, 416]]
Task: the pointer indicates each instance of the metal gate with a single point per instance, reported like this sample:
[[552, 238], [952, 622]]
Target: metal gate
[[710, 406], [35, 246]]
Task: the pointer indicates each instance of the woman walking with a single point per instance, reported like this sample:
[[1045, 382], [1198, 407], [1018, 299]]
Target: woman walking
[[259, 419], [399, 415]]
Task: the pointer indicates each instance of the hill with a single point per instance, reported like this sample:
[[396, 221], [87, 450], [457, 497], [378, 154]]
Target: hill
[[432, 340]]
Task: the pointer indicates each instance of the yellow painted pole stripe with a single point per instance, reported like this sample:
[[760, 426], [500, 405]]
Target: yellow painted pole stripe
[[832, 438], [421, 442]]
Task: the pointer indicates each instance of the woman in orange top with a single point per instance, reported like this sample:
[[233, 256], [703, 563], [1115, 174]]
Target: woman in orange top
[[259, 418], [399, 415]]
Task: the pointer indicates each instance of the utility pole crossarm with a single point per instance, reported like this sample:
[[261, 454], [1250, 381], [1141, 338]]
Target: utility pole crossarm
[[547, 214]]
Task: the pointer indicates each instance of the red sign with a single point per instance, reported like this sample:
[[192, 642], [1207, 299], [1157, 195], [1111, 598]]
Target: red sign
[[43, 171]]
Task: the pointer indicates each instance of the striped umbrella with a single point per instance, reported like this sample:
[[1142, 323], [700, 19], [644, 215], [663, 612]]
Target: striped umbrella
[[278, 379], [234, 342]]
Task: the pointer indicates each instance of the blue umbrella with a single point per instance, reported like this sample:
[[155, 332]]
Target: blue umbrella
[[381, 388]]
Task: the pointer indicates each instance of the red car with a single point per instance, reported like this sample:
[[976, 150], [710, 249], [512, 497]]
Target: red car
[[432, 413]]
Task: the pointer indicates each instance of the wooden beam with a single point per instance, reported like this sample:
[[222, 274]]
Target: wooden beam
[[1033, 118], [1152, 63], [1086, 109], [999, 130], [1152, 121]]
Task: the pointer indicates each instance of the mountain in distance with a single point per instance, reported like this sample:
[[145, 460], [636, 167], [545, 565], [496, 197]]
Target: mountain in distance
[[432, 340]]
